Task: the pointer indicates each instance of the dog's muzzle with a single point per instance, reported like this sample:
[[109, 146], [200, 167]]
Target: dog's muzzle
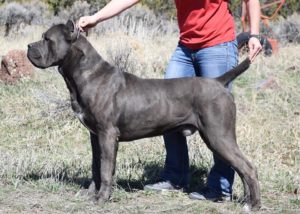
[[33, 51]]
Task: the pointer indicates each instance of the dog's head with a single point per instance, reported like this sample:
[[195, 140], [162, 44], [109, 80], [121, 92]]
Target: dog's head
[[54, 46]]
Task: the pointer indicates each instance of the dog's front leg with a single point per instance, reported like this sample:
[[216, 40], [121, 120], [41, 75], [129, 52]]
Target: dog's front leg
[[107, 141], [96, 155], [94, 187]]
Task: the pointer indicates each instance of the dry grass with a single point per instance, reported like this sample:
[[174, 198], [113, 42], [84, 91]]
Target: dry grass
[[45, 155]]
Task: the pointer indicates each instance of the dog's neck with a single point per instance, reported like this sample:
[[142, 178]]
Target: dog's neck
[[81, 59], [83, 63]]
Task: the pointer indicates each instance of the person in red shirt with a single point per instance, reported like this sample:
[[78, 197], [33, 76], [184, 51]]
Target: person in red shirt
[[207, 47]]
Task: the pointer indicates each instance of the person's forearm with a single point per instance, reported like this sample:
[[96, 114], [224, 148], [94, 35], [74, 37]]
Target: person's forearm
[[253, 8], [113, 8]]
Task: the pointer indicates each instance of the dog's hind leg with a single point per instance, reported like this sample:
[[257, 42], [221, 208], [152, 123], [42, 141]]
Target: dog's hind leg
[[218, 132], [225, 147]]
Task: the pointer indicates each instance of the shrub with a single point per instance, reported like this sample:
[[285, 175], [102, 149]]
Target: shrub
[[161, 7], [287, 30], [39, 10], [165, 7], [121, 57], [290, 7], [58, 5], [14, 15], [74, 12], [138, 22]]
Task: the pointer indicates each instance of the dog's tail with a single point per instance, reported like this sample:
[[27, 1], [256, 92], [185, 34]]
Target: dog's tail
[[226, 78]]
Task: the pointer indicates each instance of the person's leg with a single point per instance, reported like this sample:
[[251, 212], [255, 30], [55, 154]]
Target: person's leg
[[175, 174], [213, 62]]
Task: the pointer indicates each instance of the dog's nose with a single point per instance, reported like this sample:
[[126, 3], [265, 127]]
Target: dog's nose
[[31, 45]]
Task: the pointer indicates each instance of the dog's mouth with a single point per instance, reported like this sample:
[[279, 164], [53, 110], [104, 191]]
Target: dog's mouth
[[33, 53], [35, 58]]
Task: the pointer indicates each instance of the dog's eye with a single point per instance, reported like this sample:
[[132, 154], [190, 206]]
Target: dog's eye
[[45, 37]]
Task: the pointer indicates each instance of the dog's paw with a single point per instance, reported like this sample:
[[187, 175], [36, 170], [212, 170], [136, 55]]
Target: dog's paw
[[90, 192], [246, 209], [85, 193], [99, 199], [256, 207]]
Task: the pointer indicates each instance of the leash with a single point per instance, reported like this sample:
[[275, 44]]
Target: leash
[[78, 33]]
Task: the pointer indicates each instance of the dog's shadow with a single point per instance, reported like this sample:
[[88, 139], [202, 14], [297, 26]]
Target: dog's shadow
[[151, 174]]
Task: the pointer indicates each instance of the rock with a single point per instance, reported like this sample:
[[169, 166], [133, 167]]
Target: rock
[[294, 69], [14, 66], [269, 83]]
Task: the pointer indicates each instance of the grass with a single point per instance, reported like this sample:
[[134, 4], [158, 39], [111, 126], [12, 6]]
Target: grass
[[45, 156]]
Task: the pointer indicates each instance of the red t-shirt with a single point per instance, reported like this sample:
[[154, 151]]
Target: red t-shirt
[[204, 23]]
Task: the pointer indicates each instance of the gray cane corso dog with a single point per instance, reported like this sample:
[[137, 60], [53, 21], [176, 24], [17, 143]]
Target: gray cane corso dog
[[118, 106]]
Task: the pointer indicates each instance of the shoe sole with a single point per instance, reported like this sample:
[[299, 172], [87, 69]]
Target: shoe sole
[[220, 199], [163, 190]]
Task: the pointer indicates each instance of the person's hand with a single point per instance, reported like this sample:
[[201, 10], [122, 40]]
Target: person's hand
[[86, 22], [254, 48]]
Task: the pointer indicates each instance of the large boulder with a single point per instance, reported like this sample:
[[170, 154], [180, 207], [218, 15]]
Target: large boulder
[[14, 66]]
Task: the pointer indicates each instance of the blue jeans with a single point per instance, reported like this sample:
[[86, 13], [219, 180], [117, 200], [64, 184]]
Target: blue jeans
[[208, 62]]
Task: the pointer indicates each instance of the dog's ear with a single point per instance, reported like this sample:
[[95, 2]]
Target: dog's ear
[[70, 25], [72, 29]]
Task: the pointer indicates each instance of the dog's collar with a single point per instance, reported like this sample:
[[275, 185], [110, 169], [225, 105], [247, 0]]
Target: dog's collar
[[75, 37], [78, 33]]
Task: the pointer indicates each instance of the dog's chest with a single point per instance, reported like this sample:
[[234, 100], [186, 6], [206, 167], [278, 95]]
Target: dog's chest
[[81, 114]]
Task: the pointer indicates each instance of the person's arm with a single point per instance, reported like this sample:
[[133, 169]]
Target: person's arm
[[113, 8], [253, 8]]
